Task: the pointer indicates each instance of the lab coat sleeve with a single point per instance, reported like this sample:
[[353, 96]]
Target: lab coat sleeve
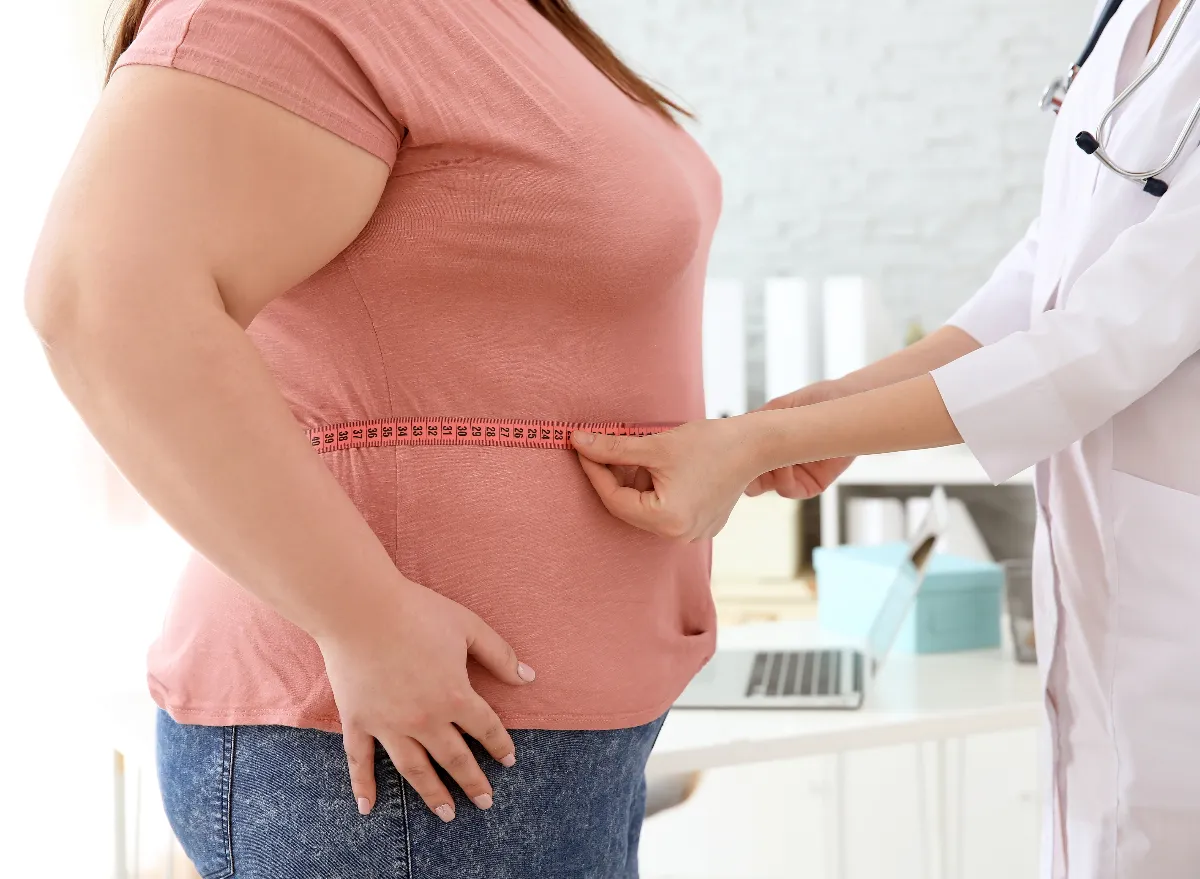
[[1002, 305], [1130, 320]]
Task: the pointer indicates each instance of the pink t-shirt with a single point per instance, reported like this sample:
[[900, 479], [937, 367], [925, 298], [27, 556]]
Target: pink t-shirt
[[539, 253]]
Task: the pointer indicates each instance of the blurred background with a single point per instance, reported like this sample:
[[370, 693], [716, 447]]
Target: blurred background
[[891, 145]]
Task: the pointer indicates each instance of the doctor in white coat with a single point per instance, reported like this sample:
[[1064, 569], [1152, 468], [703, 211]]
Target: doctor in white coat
[[1079, 356]]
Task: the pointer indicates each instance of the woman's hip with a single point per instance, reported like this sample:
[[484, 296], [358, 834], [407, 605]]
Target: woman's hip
[[250, 802]]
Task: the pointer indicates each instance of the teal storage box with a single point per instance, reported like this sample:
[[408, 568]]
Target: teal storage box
[[958, 607]]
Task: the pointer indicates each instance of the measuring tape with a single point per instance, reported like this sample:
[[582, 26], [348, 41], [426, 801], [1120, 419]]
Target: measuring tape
[[467, 432]]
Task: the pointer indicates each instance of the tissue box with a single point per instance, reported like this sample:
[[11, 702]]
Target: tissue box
[[958, 607]]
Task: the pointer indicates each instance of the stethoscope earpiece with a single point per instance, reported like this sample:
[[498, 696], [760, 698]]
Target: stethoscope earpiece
[[1091, 143], [1156, 187]]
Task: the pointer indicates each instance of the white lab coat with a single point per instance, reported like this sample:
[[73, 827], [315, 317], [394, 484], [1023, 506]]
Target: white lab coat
[[1091, 328]]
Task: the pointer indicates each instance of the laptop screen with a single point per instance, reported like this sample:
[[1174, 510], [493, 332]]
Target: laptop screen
[[903, 592]]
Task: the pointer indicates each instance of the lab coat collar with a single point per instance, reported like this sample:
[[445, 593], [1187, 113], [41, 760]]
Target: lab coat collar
[[1116, 60]]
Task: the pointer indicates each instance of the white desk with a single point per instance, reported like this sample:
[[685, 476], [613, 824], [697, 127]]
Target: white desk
[[936, 698], [916, 698]]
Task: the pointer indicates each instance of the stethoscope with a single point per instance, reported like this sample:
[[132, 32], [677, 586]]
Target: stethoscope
[[1093, 144]]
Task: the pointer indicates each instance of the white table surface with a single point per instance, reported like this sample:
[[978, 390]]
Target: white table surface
[[915, 699]]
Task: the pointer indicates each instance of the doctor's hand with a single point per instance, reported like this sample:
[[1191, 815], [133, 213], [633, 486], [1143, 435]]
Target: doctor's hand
[[690, 477], [804, 481]]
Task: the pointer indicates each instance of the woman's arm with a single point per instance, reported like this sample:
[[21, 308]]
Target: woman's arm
[[154, 258], [189, 206]]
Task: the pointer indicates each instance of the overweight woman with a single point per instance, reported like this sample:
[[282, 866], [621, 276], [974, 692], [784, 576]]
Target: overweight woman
[[292, 219], [1079, 357]]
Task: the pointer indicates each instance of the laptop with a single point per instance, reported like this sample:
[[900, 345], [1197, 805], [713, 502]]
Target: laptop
[[821, 671]]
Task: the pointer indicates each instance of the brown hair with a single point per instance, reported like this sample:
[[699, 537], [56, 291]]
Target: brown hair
[[558, 12]]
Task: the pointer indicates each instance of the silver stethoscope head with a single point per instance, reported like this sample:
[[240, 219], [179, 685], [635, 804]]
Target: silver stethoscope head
[[1095, 144], [1052, 97]]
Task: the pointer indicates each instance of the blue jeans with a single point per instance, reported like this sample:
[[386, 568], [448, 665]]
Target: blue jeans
[[274, 802]]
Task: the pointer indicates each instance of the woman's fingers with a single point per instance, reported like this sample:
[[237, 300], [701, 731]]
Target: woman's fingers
[[450, 751], [360, 755], [495, 654], [481, 723], [412, 762]]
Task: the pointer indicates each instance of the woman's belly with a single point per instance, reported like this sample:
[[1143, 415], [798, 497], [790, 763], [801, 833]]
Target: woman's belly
[[614, 620]]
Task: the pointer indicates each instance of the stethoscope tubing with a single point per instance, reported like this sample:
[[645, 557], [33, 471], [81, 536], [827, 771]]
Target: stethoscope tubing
[[1053, 96], [1128, 92], [1101, 23]]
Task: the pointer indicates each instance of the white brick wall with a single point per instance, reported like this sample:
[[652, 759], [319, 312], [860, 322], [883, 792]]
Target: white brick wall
[[897, 139]]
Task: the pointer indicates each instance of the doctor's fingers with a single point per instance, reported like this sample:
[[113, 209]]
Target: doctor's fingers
[[642, 509], [715, 526], [632, 476], [643, 451], [781, 481], [786, 484], [642, 480], [761, 485]]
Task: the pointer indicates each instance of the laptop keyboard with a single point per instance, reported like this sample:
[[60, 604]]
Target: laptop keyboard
[[801, 673]]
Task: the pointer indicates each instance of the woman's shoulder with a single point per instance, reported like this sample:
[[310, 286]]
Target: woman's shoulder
[[317, 58]]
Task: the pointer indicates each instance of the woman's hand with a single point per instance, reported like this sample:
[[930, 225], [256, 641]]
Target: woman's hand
[[401, 677], [804, 481], [681, 484]]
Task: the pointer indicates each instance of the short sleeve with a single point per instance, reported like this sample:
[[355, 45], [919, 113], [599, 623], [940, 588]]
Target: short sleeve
[[298, 54]]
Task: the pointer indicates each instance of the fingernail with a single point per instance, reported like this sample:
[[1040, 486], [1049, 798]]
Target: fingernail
[[483, 801], [525, 672], [510, 760], [584, 437], [364, 806], [446, 813]]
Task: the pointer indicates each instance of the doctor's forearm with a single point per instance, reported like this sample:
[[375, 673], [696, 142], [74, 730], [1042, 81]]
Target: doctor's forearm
[[906, 415], [940, 347]]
